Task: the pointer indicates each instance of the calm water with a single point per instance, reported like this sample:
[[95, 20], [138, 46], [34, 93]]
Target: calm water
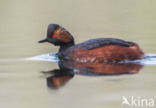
[[24, 22]]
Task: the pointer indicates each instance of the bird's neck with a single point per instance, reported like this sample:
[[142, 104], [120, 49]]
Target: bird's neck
[[64, 47]]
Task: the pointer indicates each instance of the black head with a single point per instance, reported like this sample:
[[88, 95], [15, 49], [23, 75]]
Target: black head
[[57, 35]]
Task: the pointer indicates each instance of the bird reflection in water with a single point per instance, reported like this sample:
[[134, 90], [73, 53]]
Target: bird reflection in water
[[68, 69]]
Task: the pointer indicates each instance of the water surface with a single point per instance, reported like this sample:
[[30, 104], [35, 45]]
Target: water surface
[[23, 23]]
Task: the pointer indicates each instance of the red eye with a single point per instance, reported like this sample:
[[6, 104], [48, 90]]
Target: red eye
[[53, 35]]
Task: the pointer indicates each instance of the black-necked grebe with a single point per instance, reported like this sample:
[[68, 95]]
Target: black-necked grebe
[[95, 50]]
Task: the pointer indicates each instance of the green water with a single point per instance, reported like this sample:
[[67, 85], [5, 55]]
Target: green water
[[24, 22]]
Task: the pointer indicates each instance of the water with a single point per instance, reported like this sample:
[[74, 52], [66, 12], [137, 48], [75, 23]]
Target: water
[[26, 83], [52, 57], [149, 59]]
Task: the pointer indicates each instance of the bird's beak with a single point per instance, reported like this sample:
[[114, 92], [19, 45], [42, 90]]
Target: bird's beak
[[44, 40]]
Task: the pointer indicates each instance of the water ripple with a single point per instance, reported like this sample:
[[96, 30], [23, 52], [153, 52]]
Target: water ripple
[[149, 59], [52, 57]]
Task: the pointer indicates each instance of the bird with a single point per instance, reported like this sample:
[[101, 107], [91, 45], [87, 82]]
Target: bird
[[98, 50]]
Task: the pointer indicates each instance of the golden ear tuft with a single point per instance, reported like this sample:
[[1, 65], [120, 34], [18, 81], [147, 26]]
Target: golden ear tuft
[[63, 35]]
